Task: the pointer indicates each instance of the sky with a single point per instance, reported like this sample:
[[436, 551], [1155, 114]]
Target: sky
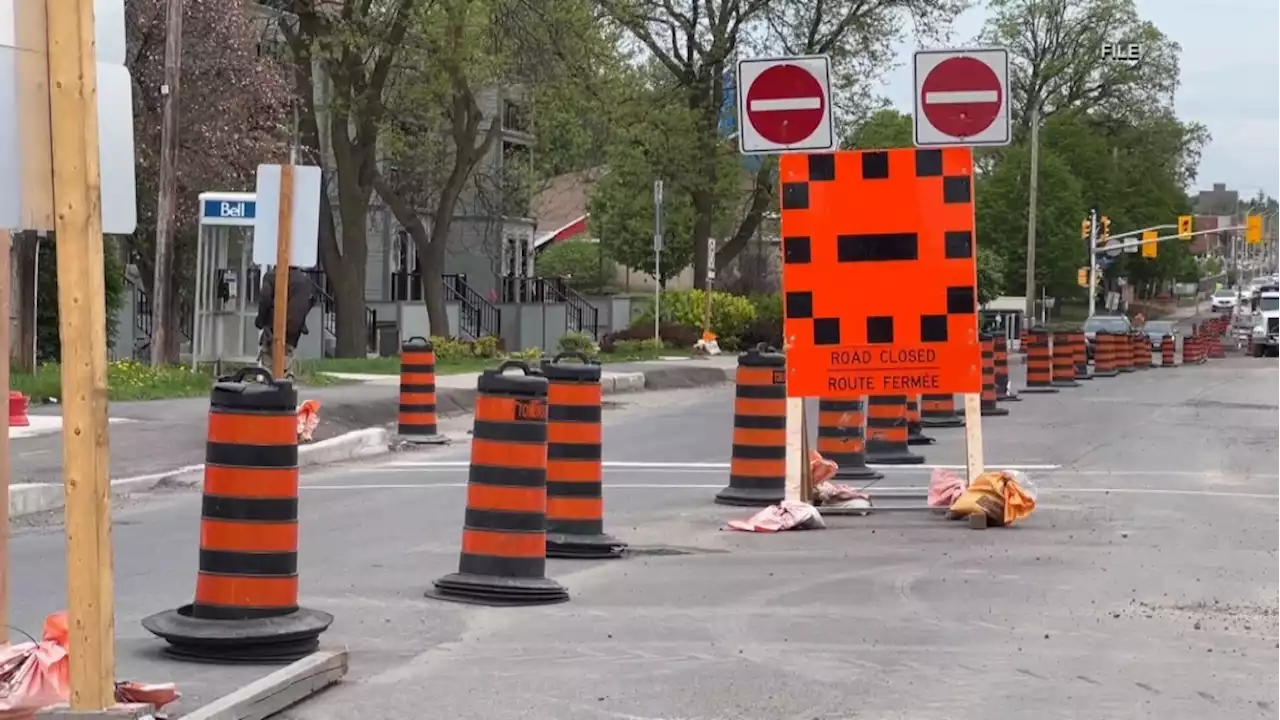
[[1230, 83]]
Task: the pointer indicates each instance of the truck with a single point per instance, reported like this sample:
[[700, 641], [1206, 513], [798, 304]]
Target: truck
[[1265, 336]]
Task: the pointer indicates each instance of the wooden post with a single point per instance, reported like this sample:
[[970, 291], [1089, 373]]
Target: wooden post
[[6, 298], [284, 241], [795, 477], [82, 323], [974, 463], [167, 205]]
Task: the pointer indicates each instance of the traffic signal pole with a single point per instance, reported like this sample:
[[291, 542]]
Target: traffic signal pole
[[1093, 261]]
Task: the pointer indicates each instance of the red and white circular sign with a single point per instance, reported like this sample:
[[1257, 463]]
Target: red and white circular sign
[[786, 104], [962, 97]]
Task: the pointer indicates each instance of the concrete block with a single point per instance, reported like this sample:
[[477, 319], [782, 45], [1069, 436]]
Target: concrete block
[[623, 382], [130, 711]]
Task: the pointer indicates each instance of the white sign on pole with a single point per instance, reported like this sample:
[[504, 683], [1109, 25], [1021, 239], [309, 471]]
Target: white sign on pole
[[304, 241], [784, 105], [26, 170], [962, 97]]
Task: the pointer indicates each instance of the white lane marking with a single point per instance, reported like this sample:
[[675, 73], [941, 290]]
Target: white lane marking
[[871, 490], [806, 103], [951, 97], [696, 466]]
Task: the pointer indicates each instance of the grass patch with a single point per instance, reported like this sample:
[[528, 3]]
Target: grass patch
[[132, 380]]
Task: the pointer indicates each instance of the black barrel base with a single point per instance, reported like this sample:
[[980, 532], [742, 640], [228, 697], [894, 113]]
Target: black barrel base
[[1036, 389], [280, 639], [1124, 370], [949, 422], [1065, 383], [421, 439], [858, 473], [584, 547], [994, 411], [920, 439], [751, 497], [894, 457], [1008, 397], [1104, 373], [497, 591]]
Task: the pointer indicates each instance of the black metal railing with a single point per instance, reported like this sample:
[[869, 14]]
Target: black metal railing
[[406, 286], [580, 314], [144, 321], [477, 317]]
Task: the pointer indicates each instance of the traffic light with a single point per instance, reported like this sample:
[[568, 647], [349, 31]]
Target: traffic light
[[1184, 227], [1253, 230], [1106, 227], [1082, 277], [1150, 248], [1084, 229]]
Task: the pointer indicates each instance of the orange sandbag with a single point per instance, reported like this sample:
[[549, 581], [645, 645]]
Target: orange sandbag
[[35, 675], [308, 419], [821, 468], [999, 496]]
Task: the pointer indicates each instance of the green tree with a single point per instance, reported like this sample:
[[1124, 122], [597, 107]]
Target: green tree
[[883, 129], [991, 274], [580, 263]]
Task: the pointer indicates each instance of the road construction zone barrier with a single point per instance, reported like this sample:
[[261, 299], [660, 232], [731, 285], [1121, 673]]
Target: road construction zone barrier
[[758, 462], [416, 420], [915, 435], [1104, 355], [1064, 361], [939, 411], [987, 398], [246, 598], [1213, 339], [887, 431], [504, 541], [19, 406], [1124, 352], [842, 438], [575, 467], [1004, 393], [1079, 356], [1141, 345], [1039, 363], [1168, 346]]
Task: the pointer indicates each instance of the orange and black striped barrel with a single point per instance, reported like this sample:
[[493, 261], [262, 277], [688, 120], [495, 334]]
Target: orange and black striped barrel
[[246, 596], [1079, 356], [758, 463], [416, 420], [575, 463], [1040, 363], [1003, 392], [915, 436], [987, 398], [1141, 345], [841, 438], [1124, 352], [1104, 354], [1024, 340], [887, 431], [1167, 346], [1064, 361], [1191, 348], [504, 540], [1213, 341], [939, 411]]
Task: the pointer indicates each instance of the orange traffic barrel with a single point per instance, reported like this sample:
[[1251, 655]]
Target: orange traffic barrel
[[1214, 344], [1039, 363], [914, 434], [940, 411], [887, 431], [504, 539], [575, 464], [1140, 346], [987, 399], [1124, 352], [1167, 346], [758, 463], [416, 419], [1104, 354], [1079, 356], [1064, 361], [1191, 349], [1004, 393], [842, 438], [246, 598]]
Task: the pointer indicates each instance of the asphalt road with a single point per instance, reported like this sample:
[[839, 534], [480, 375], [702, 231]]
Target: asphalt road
[[1144, 586]]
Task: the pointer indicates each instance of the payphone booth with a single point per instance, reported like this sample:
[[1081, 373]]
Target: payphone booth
[[227, 281]]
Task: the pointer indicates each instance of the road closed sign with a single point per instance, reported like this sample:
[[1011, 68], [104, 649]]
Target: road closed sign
[[785, 105], [962, 97]]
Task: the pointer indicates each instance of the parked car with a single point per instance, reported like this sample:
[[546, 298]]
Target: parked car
[[1157, 329], [1225, 300], [1103, 323]]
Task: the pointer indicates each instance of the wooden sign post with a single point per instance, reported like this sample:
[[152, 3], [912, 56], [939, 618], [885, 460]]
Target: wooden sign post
[[284, 243], [82, 319]]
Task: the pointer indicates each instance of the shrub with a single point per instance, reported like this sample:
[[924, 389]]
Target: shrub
[[582, 342], [452, 349], [672, 335], [487, 347], [648, 346], [579, 263], [730, 314]]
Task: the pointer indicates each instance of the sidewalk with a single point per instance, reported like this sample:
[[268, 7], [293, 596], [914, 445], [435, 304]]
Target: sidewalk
[[161, 436]]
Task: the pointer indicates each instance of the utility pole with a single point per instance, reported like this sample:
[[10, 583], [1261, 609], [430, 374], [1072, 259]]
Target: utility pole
[[1031, 214], [167, 206], [1093, 261], [82, 326]]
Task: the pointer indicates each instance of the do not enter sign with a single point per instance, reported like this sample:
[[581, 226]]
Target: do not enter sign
[[785, 105], [962, 97]]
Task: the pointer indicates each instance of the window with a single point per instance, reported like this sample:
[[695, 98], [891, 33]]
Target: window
[[515, 118]]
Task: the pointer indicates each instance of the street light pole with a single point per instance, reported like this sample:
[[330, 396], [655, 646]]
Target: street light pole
[[1031, 215]]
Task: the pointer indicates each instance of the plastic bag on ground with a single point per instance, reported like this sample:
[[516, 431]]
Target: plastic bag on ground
[[999, 496], [783, 516], [35, 675], [944, 488], [308, 419]]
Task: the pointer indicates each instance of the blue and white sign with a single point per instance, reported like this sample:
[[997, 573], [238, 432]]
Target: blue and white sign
[[233, 209]]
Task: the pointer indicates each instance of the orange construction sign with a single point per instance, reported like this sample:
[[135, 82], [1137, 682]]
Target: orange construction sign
[[879, 276]]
